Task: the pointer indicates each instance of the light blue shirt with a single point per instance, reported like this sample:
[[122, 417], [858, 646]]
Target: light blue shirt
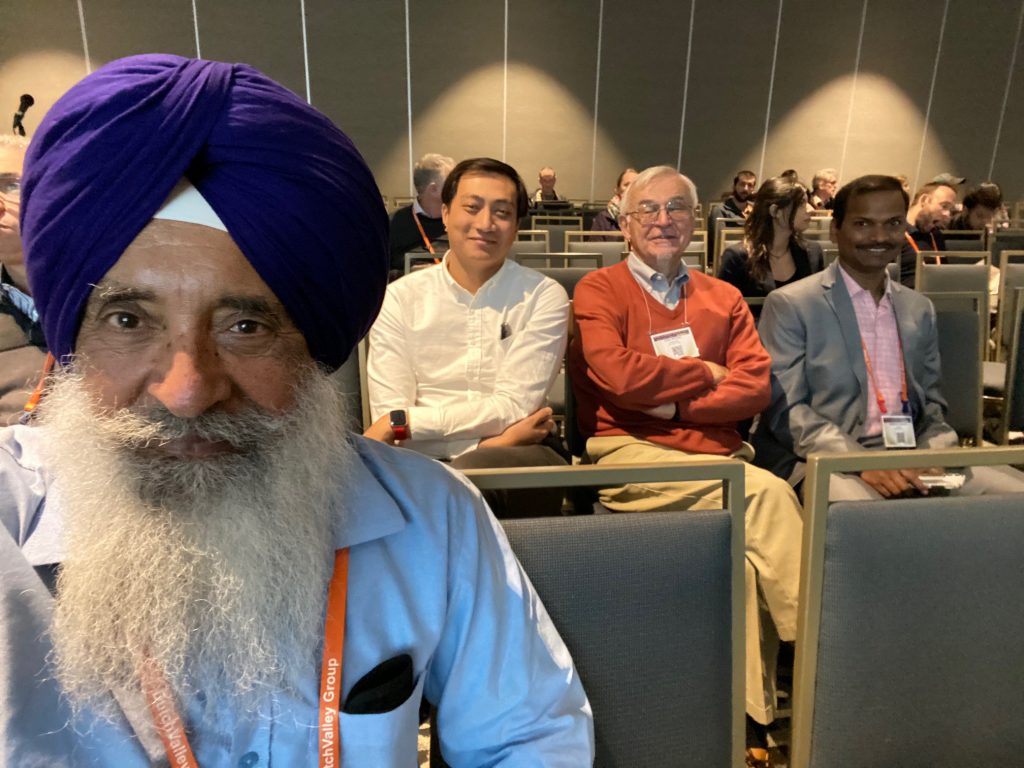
[[431, 574], [21, 300], [666, 292]]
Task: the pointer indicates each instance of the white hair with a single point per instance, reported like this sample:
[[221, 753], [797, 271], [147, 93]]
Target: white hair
[[431, 168], [213, 569], [646, 176], [825, 174]]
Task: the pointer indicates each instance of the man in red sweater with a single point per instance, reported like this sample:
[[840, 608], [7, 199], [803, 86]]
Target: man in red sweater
[[665, 362]]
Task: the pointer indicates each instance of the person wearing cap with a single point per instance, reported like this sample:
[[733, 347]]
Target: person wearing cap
[[930, 212], [198, 563]]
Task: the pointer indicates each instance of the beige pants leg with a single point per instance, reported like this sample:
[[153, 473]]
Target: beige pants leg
[[773, 531]]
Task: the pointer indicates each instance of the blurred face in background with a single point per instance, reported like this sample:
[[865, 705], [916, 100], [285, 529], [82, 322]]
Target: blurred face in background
[[744, 188], [11, 160]]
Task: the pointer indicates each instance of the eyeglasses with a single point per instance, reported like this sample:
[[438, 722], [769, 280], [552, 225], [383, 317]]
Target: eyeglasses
[[647, 211], [10, 184]]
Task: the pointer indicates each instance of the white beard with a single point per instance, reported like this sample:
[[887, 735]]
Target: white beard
[[215, 569]]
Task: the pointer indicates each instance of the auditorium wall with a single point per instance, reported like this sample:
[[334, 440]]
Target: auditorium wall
[[590, 86]]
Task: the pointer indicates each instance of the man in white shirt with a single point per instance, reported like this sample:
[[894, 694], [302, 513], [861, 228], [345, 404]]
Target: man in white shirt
[[462, 355]]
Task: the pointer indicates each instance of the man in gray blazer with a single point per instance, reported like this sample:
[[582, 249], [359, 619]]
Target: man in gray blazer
[[839, 380]]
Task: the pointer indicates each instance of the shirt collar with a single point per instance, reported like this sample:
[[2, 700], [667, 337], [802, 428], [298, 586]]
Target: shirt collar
[[370, 511], [418, 210], [650, 277], [855, 289], [457, 289]]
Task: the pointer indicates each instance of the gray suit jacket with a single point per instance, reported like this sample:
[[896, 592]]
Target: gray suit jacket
[[819, 381]]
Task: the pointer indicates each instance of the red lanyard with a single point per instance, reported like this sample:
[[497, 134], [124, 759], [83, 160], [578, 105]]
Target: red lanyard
[[913, 244], [879, 397], [423, 234], [172, 731]]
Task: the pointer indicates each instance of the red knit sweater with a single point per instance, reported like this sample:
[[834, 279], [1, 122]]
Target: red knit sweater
[[616, 374]]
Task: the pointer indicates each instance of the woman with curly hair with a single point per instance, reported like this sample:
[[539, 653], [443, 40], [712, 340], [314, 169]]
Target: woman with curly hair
[[772, 253]]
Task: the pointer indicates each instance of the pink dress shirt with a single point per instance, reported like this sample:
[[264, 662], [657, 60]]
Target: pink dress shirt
[[881, 337]]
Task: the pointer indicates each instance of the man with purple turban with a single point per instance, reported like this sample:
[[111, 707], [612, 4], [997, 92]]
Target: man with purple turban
[[198, 563]]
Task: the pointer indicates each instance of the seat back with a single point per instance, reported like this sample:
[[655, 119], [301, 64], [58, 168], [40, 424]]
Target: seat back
[[965, 240], [532, 241], [953, 278], [962, 328], [1005, 240], [642, 602], [611, 252], [567, 277], [556, 227], [696, 254], [1013, 407], [589, 259], [650, 606], [909, 649], [726, 236], [1011, 277], [419, 258]]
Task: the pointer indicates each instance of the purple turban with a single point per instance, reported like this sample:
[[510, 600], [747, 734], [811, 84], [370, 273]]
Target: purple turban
[[108, 153]]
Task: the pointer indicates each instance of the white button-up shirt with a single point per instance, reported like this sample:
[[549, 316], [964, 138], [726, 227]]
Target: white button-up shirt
[[465, 366]]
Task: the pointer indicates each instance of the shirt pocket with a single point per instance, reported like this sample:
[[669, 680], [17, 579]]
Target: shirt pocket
[[387, 740]]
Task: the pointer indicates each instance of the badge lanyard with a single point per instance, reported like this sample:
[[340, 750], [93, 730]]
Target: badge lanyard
[[172, 731], [37, 393], [879, 397], [913, 244], [647, 306], [676, 343], [426, 240]]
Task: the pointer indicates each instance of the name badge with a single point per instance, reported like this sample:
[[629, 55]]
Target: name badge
[[898, 431], [677, 343]]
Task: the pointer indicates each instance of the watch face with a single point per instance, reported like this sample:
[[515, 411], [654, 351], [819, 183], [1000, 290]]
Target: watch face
[[398, 418]]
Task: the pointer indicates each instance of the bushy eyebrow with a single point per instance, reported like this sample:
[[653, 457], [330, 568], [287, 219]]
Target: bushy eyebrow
[[109, 293], [253, 304], [112, 293]]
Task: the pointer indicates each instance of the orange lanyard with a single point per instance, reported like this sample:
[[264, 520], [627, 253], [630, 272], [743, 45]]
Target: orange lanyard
[[37, 393], [913, 244], [172, 731], [423, 234], [879, 397]]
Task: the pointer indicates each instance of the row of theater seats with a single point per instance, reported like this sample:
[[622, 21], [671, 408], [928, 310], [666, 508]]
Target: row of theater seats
[[623, 588], [908, 649]]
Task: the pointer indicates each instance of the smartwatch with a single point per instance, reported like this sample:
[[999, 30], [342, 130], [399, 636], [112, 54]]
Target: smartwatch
[[399, 424]]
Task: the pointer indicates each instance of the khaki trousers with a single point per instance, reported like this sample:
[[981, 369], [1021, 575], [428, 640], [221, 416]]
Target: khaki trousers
[[773, 531]]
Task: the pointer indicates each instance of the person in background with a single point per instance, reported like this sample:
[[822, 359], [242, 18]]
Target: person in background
[[463, 353], [608, 219], [980, 208], [666, 362], [823, 189], [419, 225], [22, 346], [930, 212], [855, 360], [772, 253], [546, 193]]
